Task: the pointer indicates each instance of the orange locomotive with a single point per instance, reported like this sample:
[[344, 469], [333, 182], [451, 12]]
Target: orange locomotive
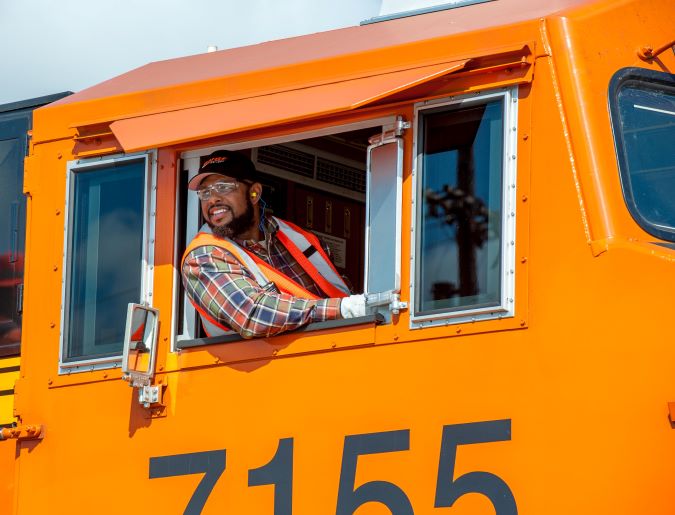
[[498, 178]]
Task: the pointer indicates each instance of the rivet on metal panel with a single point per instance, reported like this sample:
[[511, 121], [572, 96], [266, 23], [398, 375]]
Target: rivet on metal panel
[[524, 198], [50, 381], [57, 212], [52, 325], [105, 376], [333, 345], [523, 260], [55, 268], [526, 135], [59, 155], [275, 352], [458, 330], [522, 323]]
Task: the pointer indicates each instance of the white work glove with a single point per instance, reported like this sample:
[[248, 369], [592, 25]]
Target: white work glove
[[353, 306]]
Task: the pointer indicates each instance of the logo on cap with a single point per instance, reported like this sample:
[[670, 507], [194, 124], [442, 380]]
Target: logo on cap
[[214, 160]]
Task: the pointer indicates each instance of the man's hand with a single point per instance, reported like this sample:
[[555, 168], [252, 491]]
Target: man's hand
[[353, 306]]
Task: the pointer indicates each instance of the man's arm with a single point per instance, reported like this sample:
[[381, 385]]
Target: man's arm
[[227, 291]]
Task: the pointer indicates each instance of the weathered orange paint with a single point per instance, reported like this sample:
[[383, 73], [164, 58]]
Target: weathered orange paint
[[583, 370]]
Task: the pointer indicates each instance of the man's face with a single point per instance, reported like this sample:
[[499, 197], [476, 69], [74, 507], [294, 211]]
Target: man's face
[[228, 214]]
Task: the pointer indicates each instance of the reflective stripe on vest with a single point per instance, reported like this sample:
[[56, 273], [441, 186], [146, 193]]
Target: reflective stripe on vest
[[264, 273], [318, 265], [261, 271]]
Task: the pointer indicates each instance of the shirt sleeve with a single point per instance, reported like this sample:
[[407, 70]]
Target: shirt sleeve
[[227, 291]]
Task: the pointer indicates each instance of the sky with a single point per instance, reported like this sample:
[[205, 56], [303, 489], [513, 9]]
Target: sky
[[50, 46]]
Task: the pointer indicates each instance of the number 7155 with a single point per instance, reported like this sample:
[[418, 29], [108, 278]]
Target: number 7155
[[279, 471]]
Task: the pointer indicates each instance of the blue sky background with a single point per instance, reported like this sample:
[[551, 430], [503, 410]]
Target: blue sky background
[[49, 46]]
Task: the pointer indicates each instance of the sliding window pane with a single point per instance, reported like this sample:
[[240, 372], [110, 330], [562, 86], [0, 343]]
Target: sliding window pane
[[106, 244], [459, 264]]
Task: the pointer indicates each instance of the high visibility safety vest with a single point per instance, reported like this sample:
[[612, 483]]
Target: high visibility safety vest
[[302, 245]]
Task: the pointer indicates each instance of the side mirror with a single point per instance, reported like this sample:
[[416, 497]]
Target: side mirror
[[139, 353]]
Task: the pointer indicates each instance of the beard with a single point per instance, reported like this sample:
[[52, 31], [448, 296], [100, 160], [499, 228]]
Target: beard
[[238, 225]]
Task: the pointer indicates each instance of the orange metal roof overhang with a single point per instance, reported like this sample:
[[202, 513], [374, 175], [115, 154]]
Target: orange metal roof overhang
[[217, 119]]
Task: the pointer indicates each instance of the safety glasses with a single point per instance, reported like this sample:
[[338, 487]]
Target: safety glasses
[[219, 188]]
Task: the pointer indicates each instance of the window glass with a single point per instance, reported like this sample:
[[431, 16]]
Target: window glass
[[459, 263], [647, 129], [106, 245], [12, 208]]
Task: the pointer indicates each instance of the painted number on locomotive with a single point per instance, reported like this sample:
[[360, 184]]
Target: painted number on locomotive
[[279, 471]]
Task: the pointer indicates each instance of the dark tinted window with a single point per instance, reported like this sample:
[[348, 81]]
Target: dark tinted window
[[643, 108], [459, 242], [106, 244], [11, 245]]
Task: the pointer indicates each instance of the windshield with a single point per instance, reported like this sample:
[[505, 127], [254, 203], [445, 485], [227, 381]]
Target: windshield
[[644, 130]]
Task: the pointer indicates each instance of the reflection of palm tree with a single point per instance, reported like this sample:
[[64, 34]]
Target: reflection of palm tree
[[458, 206]]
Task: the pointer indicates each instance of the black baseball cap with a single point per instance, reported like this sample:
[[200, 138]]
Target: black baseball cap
[[226, 163]]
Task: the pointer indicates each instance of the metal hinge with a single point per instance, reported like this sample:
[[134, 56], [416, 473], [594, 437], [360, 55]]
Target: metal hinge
[[390, 298], [389, 136]]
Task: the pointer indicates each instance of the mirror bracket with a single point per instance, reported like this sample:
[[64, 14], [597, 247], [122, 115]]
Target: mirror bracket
[[148, 395], [139, 353]]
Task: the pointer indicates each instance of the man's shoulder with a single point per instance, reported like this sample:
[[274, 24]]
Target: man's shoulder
[[209, 252]]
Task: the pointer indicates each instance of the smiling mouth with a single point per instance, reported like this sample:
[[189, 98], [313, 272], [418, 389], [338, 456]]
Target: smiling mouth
[[217, 213]]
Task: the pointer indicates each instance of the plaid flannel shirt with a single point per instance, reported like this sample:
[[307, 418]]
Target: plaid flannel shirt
[[227, 291]]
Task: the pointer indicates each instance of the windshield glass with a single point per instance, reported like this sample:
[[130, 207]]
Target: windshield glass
[[646, 128]]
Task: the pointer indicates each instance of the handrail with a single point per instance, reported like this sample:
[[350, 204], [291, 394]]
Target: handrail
[[647, 52]]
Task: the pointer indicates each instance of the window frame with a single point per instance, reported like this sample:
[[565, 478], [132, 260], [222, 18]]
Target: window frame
[[618, 81], [149, 158], [507, 303], [189, 161]]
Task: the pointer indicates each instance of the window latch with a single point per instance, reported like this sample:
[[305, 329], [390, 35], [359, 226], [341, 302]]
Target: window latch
[[390, 298], [389, 136]]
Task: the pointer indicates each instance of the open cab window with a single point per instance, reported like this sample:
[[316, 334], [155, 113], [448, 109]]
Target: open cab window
[[343, 184], [108, 256], [464, 209]]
